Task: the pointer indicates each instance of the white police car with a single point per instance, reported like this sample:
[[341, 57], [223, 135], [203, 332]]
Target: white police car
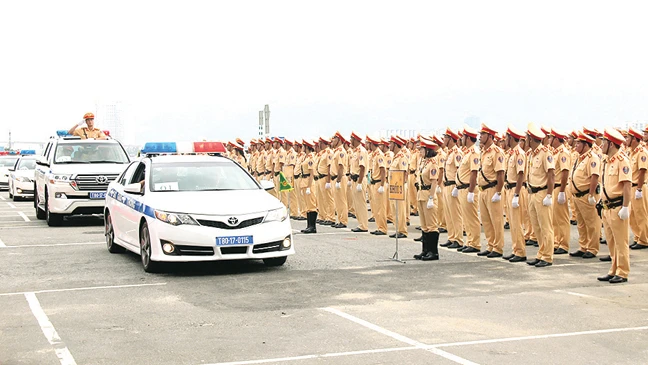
[[169, 207], [21, 176]]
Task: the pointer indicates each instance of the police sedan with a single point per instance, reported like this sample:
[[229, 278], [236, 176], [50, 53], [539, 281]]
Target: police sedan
[[168, 207]]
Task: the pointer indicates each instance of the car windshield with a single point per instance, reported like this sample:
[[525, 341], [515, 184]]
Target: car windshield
[[70, 153], [26, 164], [8, 161], [200, 176]]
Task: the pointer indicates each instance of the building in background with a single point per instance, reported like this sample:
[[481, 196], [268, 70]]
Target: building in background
[[114, 117]]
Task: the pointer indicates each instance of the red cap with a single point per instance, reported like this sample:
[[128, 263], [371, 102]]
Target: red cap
[[268, 140], [591, 132], [277, 139], [288, 142], [340, 136], [326, 141], [514, 132], [240, 141], [623, 132], [574, 134], [297, 143], [428, 144], [307, 143], [384, 141], [437, 140], [396, 140], [88, 116], [584, 137], [470, 132], [635, 133], [487, 129], [613, 136], [535, 132], [559, 134], [356, 137], [546, 130], [450, 133], [373, 140]]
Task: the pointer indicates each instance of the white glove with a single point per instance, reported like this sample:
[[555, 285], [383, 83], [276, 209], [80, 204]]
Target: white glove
[[338, 185], [307, 191], [327, 186], [496, 197], [81, 123], [638, 194], [438, 189], [591, 200], [515, 202], [349, 183], [624, 213], [381, 189], [455, 192], [430, 203], [471, 198], [359, 188], [561, 198], [547, 200]]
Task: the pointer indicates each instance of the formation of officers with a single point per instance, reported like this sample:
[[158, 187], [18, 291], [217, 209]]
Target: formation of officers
[[536, 182]]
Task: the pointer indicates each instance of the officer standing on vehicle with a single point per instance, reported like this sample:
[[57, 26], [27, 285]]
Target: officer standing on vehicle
[[616, 187], [89, 131]]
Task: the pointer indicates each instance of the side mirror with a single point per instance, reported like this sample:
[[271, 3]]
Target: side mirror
[[267, 184], [11, 169], [134, 188], [42, 161]]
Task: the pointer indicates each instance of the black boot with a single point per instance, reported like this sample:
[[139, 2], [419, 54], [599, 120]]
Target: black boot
[[433, 244], [311, 218], [424, 246]]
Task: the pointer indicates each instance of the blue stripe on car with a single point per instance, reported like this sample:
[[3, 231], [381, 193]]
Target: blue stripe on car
[[132, 203]]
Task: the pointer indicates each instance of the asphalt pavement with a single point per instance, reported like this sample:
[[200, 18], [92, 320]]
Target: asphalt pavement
[[64, 299]]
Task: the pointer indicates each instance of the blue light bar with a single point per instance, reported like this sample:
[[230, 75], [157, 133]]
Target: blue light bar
[[160, 147], [28, 152], [62, 133]]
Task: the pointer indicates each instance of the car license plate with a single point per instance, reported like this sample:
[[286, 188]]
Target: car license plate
[[100, 195], [234, 240]]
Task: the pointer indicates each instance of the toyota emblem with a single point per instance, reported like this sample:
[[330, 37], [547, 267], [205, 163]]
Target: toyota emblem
[[233, 221], [101, 179]]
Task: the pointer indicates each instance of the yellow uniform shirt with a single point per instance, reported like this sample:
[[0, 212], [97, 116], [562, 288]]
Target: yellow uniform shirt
[[539, 165], [339, 158], [86, 132], [587, 165], [616, 171], [638, 162], [469, 163], [452, 162], [358, 158], [562, 162], [516, 163], [378, 161]]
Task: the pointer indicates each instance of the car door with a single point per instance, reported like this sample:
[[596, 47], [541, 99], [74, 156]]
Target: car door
[[117, 202], [131, 214]]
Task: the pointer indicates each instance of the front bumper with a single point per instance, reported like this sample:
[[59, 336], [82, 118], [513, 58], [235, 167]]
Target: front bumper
[[198, 243], [65, 200], [23, 189]]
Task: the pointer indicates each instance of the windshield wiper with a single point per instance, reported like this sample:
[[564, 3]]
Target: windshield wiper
[[98, 161], [70, 162], [214, 189]]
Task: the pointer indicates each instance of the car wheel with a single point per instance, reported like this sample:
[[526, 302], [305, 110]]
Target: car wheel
[[11, 196], [39, 213], [145, 251], [110, 236], [275, 261], [53, 219]]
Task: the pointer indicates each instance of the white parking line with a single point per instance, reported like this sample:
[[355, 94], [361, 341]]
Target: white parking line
[[2, 198], [24, 217], [49, 331], [57, 244], [81, 289], [401, 338], [308, 357], [574, 294], [11, 206], [2, 244]]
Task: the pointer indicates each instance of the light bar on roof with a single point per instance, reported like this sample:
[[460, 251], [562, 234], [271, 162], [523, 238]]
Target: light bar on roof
[[160, 147], [62, 133], [27, 152], [209, 147], [183, 147]]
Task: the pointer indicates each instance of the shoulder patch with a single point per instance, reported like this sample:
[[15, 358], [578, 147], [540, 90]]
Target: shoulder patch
[[549, 158], [520, 162], [476, 160], [310, 163], [330, 157], [360, 157], [500, 159], [563, 159], [380, 160], [433, 172], [341, 154], [593, 164], [404, 163], [459, 158], [643, 158], [626, 169]]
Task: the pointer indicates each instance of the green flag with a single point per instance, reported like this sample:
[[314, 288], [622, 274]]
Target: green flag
[[284, 185]]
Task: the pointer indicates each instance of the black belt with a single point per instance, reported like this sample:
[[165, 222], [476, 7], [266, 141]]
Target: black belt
[[533, 189], [509, 186], [463, 186], [305, 176], [320, 176], [412, 171], [297, 176], [634, 185], [489, 185], [334, 177], [612, 203], [277, 173], [557, 185], [355, 177], [347, 175], [449, 183], [426, 187], [267, 172], [581, 194], [374, 182]]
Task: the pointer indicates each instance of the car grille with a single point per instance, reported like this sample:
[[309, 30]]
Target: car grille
[[267, 247], [233, 250], [223, 225], [186, 250], [89, 182]]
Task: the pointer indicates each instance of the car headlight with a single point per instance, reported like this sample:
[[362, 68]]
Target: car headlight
[[278, 215], [60, 179], [174, 219]]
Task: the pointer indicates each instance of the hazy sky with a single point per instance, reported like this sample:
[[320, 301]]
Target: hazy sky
[[203, 69]]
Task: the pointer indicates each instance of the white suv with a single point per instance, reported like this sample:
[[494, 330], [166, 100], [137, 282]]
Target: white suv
[[72, 176]]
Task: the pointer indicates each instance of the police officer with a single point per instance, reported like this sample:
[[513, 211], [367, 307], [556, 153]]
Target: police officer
[[290, 197], [399, 163], [358, 172], [514, 183], [453, 207], [585, 177], [540, 184], [562, 163], [299, 150], [616, 187], [413, 167], [338, 172], [377, 186], [441, 158], [491, 181], [323, 178], [89, 131], [307, 186], [238, 155], [279, 160], [639, 207], [427, 198], [465, 191]]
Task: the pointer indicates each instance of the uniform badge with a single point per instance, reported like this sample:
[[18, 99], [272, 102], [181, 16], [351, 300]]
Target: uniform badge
[[404, 163], [500, 159], [563, 159], [341, 154], [626, 169], [330, 157], [643, 158], [458, 158], [433, 172], [476, 160], [310, 163], [520, 162], [593, 164], [380, 160], [360, 158], [549, 158]]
